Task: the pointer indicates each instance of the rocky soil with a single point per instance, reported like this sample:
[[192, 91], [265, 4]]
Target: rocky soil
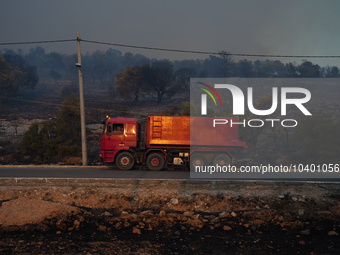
[[95, 220]]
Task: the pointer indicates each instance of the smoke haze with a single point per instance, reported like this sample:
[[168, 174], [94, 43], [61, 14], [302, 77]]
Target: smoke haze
[[306, 27]]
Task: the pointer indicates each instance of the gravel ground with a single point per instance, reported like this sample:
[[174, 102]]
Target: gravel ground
[[79, 220]]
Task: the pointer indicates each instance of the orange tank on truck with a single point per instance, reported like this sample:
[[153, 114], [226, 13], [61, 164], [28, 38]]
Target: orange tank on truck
[[164, 141]]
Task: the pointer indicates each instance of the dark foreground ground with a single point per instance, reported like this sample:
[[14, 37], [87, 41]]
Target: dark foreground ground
[[74, 216], [98, 235]]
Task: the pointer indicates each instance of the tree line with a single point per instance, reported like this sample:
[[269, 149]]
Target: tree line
[[132, 74], [16, 73]]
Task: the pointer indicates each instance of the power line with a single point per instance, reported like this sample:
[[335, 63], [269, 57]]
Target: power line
[[152, 48], [212, 53], [37, 42], [221, 53]]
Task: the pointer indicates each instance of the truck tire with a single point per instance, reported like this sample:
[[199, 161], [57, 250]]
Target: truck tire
[[222, 160], [125, 161], [155, 161], [196, 159]]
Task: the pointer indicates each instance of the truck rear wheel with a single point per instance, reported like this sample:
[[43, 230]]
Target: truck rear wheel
[[222, 160], [197, 159], [155, 161], [125, 161]]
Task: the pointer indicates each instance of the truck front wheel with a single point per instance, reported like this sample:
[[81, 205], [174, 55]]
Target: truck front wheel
[[125, 161], [155, 162]]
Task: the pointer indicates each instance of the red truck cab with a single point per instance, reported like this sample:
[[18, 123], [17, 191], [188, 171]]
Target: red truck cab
[[120, 134]]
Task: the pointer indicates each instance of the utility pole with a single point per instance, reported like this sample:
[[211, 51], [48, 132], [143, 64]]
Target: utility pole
[[82, 105]]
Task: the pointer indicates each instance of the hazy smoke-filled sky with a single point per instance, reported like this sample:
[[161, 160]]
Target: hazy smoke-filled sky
[[290, 27]]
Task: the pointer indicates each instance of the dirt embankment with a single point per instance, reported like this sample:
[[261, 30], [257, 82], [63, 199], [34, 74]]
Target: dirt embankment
[[170, 217]]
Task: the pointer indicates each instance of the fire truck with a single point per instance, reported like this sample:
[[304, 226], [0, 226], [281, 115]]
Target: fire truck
[[164, 141]]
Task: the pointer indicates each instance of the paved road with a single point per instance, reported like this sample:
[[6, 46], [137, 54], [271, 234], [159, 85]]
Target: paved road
[[105, 172], [86, 172]]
